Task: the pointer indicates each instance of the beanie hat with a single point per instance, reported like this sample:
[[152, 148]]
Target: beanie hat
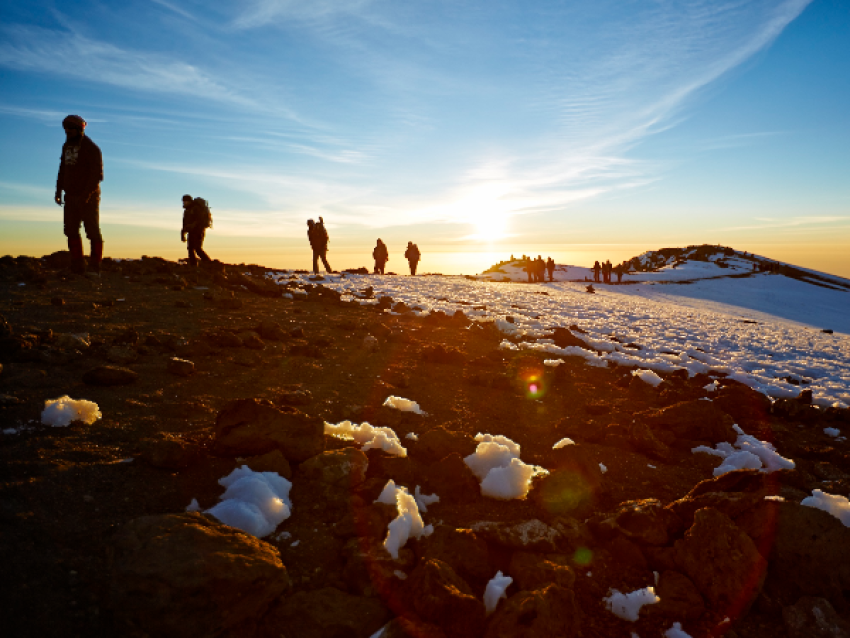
[[74, 121], [187, 198]]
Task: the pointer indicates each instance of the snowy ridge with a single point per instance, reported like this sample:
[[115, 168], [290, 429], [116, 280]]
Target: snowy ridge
[[623, 326]]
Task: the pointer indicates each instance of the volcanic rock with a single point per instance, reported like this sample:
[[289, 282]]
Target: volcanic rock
[[248, 427], [181, 367], [463, 550], [531, 535], [644, 521], [812, 617], [369, 568], [272, 461], [452, 479], [680, 599], [338, 469], [550, 612], [440, 596], [693, 421], [170, 453], [186, 575], [534, 571], [109, 375], [438, 442]]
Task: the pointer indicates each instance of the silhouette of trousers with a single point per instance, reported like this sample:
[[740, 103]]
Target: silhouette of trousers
[[320, 254], [413, 264], [195, 245], [79, 212]]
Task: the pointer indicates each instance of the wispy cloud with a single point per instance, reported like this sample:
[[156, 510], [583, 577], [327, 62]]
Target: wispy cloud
[[176, 9], [797, 223]]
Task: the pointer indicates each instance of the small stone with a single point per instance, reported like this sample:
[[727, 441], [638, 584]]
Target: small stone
[[110, 375], [181, 367]]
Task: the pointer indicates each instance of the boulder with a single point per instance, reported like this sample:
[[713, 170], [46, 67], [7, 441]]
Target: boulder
[[370, 570], [532, 535], [170, 453], [812, 617], [563, 338], [248, 427], [463, 550], [733, 504], [272, 331], [71, 342], [680, 599], [570, 489], [180, 367], [122, 355], [251, 339], [294, 398], [440, 596], [550, 612], [722, 561], [746, 406], [535, 571], [187, 575], [404, 627], [272, 461], [692, 421], [224, 339], [437, 443], [644, 441], [808, 550], [644, 521], [338, 469], [109, 375], [324, 613]]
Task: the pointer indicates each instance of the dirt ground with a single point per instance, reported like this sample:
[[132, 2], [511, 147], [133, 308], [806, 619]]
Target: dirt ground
[[65, 491]]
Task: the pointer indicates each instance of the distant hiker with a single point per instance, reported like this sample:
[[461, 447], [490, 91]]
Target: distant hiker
[[381, 255], [606, 270], [80, 174], [596, 269], [539, 269], [196, 219], [528, 266], [550, 266], [412, 255], [619, 270], [318, 236]]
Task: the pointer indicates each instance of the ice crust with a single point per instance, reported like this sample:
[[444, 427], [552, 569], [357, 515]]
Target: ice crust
[[627, 606], [748, 453], [61, 412], [705, 335], [368, 436], [834, 504], [255, 502]]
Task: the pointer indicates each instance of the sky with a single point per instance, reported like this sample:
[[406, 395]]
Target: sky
[[476, 129]]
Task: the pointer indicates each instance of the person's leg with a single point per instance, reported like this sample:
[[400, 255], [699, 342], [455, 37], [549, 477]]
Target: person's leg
[[192, 246], [199, 245], [315, 262], [325, 261], [91, 222], [72, 221]]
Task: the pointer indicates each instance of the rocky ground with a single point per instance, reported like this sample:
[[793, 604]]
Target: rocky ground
[[95, 541]]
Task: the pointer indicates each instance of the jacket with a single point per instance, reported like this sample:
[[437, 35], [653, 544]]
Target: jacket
[[80, 168], [412, 253]]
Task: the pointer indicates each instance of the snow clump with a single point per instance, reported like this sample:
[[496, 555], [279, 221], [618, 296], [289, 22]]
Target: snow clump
[[553, 363], [627, 606], [368, 436], [405, 405], [61, 412], [648, 376], [255, 502], [676, 631], [833, 432], [751, 454], [834, 504], [497, 465], [408, 522], [424, 500], [495, 591], [563, 443]]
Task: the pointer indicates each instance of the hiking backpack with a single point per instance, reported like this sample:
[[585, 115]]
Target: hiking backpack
[[203, 214]]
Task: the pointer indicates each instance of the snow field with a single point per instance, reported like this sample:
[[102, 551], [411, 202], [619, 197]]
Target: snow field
[[368, 436], [408, 522], [671, 336], [255, 502], [61, 412]]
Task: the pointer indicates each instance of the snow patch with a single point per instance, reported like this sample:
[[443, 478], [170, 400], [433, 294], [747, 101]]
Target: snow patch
[[368, 436], [648, 376], [834, 504], [405, 405], [751, 454], [408, 522], [255, 502], [676, 631], [497, 465], [61, 412], [563, 443], [627, 606], [495, 591]]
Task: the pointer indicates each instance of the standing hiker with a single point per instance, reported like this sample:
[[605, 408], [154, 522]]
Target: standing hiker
[[550, 266], [196, 219], [80, 174], [412, 254], [606, 271], [318, 236], [539, 269], [381, 256], [596, 269]]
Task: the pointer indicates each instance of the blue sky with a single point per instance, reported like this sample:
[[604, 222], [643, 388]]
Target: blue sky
[[477, 129]]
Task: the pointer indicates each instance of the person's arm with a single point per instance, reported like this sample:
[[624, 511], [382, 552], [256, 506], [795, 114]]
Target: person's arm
[[60, 178], [94, 164]]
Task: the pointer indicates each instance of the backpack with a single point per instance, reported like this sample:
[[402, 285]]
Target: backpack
[[203, 215]]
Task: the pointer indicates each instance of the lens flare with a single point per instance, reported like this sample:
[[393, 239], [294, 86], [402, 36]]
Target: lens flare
[[583, 557]]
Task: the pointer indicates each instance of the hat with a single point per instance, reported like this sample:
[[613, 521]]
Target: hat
[[187, 198], [74, 121], [310, 222]]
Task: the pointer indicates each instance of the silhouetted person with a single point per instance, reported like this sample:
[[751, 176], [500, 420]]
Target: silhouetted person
[[619, 270], [539, 269], [196, 220], [412, 254], [318, 236], [550, 266], [529, 268], [381, 255], [606, 270], [596, 269], [80, 174]]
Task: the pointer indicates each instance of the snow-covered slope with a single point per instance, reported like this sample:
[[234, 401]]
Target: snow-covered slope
[[647, 327]]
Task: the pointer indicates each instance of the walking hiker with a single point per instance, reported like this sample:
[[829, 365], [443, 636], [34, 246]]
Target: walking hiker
[[539, 269], [606, 270], [529, 268], [619, 269], [80, 174], [596, 269], [412, 254], [318, 236], [196, 219], [550, 266], [381, 256]]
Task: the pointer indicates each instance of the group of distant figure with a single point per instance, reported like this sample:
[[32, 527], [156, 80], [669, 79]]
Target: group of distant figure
[[537, 268], [602, 272]]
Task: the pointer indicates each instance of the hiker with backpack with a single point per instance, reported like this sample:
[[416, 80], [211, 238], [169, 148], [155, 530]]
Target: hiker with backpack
[[196, 219], [318, 236], [381, 256], [412, 254], [80, 174]]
